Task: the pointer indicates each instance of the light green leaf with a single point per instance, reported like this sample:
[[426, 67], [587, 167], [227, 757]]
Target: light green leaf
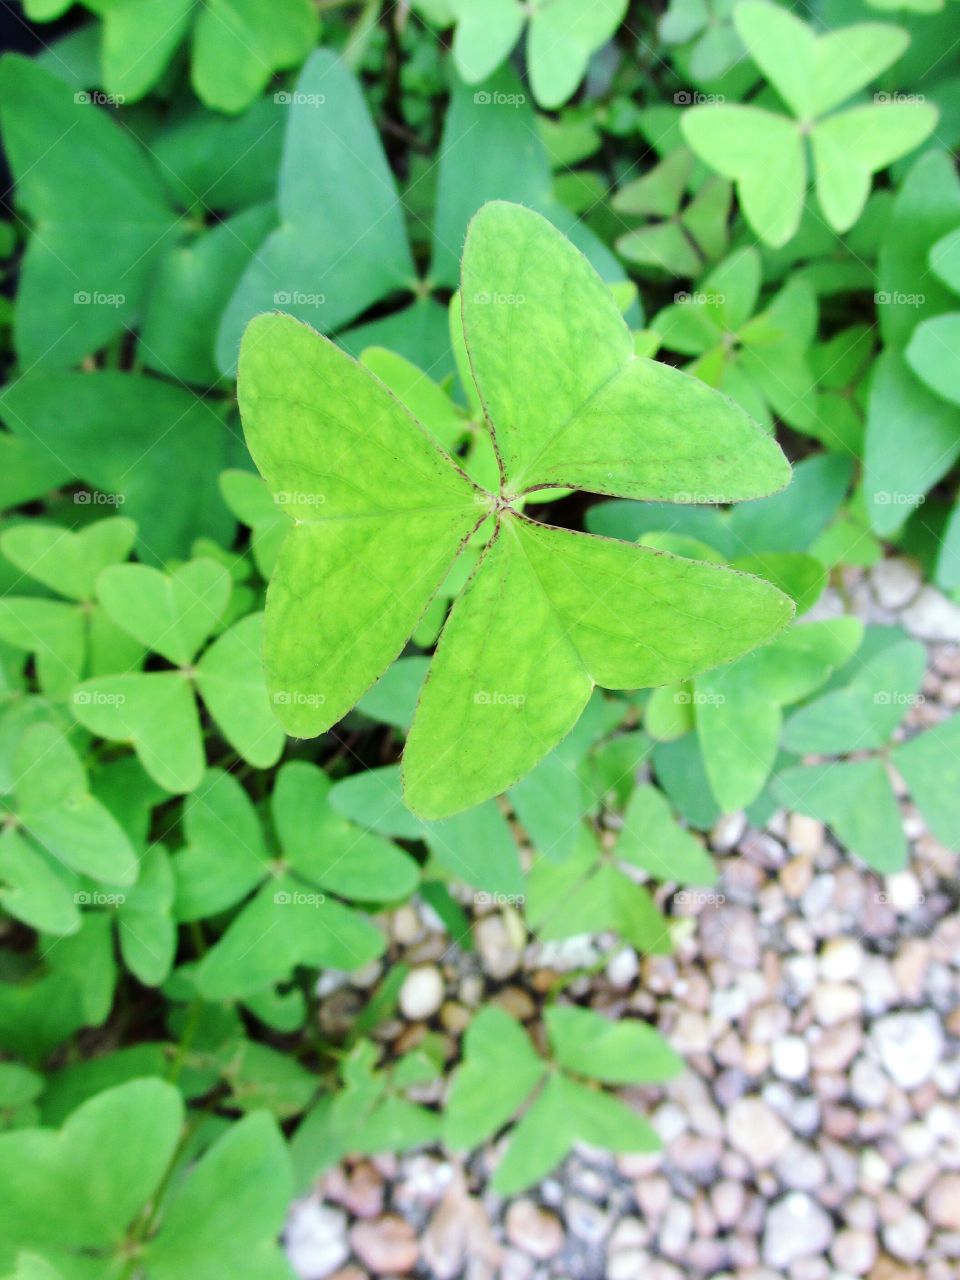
[[239, 44], [139, 38], [231, 682], [652, 839], [929, 765], [763, 154], [540, 1141], [156, 713], [856, 799], [624, 1052], [329, 851], [406, 529], [499, 1071], [172, 614], [563, 36], [226, 1215], [934, 355], [147, 934], [486, 32], [55, 805], [546, 428], [848, 149], [95, 1175], [65, 561], [32, 889], [864, 714], [225, 857]]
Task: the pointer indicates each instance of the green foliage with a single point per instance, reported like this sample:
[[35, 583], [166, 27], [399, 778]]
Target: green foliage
[[764, 152], [501, 1070], [529, 297], [482, 720]]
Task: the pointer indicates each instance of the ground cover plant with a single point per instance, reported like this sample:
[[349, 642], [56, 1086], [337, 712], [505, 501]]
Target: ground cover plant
[[428, 433]]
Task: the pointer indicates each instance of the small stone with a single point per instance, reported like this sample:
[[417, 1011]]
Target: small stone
[[730, 933], [315, 1239], [387, 1245], [790, 1058], [895, 582], [835, 1002], [498, 951], [854, 1252], [727, 831], [623, 968], [906, 1237], [804, 835], [534, 1230], [796, 1227], [727, 1198], [932, 616], [904, 893], [757, 1132], [943, 1202], [586, 1220], [841, 960], [677, 1229], [405, 925], [909, 1045]]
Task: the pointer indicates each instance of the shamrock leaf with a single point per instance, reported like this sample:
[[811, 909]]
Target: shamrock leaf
[[548, 612], [705, 27], [500, 1070], [289, 920], [593, 890], [117, 420], [55, 809], [342, 225], [75, 639], [55, 140], [236, 46], [689, 236], [764, 153], [856, 797], [760, 360], [156, 711], [561, 38], [221, 1213], [372, 1112]]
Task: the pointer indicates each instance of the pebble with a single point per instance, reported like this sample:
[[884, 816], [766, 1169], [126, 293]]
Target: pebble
[[497, 947], [386, 1246], [906, 1237], [909, 1045], [943, 1202], [421, 993], [895, 582], [790, 1057], [757, 1132], [796, 1227], [536, 1231], [931, 616], [853, 1251], [835, 1002], [316, 1239]]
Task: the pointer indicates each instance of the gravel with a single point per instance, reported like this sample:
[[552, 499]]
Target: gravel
[[816, 1132]]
